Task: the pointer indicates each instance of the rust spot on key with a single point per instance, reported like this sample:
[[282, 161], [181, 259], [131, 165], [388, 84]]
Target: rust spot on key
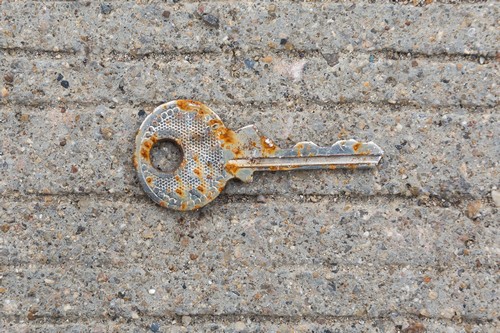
[[268, 147], [224, 134], [237, 152], [188, 105], [147, 145], [227, 136], [299, 148], [180, 192], [201, 188], [231, 168], [135, 162]]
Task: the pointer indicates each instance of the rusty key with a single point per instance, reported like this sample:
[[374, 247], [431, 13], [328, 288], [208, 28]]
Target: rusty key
[[212, 154]]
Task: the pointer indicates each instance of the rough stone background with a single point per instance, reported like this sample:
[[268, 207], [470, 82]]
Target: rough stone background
[[412, 246]]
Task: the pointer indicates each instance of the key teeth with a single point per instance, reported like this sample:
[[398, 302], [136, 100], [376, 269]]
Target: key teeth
[[305, 144], [372, 147], [354, 146], [345, 143], [376, 150], [251, 136]]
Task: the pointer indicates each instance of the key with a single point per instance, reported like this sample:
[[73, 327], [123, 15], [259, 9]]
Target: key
[[212, 154]]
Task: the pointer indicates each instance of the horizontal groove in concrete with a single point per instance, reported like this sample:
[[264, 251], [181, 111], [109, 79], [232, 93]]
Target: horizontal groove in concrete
[[251, 322], [144, 28], [388, 53]]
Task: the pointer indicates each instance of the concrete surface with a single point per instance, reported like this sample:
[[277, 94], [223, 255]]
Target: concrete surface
[[409, 247]]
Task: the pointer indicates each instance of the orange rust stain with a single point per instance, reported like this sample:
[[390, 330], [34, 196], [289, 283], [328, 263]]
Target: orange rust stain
[[284, 167], [183, 164], [364, 153], [213, 122], [134, 161], [201, 188], [299, 147], [152, 141], [149, 180], [332, 167], [178, 179], [197, 171], [180, 192], [237, 152], [196, 158], [352, 166], [145, 153], [188, 105], [183, 206], [227, 136], [203, 111], [163, 204], [147, 145], [232, 169], [356, 146], [268, 147], [210, 170]]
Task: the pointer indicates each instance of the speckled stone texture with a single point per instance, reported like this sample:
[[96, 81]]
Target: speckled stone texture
[[411, 246]]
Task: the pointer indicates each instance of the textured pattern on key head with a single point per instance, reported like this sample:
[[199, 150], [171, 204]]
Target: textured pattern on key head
[[201, 175]]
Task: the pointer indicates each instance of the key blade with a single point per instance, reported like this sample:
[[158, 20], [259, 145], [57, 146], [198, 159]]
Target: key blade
[[310, 162], [349, 154], [339, 148], [345, 154]]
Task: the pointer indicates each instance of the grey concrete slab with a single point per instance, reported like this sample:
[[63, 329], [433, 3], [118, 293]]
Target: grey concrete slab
[[345, 231], [326, 26], [88, 257], [410, 246], [226, 78]]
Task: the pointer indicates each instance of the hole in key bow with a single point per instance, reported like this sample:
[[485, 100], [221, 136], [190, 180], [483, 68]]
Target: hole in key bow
[[166, 155]]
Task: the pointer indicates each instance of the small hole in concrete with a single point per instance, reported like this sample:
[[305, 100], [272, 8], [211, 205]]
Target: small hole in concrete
[[166, 155]]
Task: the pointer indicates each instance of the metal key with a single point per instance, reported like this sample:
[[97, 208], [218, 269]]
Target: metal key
[[212, 154]]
